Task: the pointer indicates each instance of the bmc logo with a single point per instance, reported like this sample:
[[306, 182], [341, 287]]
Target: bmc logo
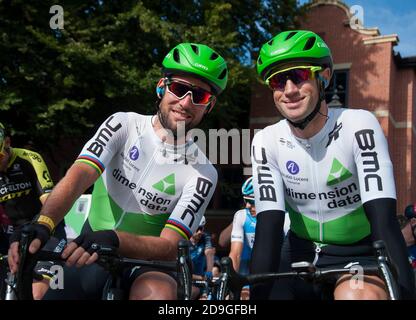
[[365, 140], [104, 134], [264, 176], [203, 186]]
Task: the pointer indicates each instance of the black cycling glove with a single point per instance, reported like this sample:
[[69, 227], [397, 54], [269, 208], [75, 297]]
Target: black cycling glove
[[103, 238], [384, 226], [37, 231]]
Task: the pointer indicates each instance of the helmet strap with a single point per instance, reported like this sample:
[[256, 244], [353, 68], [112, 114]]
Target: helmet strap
[[303, 123]]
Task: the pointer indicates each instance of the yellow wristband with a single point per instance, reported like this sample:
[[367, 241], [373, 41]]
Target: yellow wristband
[[47, 221]]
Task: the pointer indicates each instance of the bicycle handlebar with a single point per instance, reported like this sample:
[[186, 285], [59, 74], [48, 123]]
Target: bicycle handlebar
[[107, 257], [232, 281], [206, 282]]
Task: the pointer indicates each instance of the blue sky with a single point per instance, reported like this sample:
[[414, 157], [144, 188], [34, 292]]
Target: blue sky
[[390, 16]]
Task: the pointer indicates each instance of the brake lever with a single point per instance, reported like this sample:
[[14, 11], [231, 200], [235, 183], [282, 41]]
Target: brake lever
[[108, 257]]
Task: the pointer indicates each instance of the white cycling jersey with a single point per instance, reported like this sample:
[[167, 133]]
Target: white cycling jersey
[[323, 181], [244, 229], [145, 183]]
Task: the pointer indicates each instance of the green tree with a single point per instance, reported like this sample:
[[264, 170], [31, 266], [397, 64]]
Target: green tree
[[61, 83]]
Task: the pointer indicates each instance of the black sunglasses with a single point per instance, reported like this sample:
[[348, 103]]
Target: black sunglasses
[[249, 201]]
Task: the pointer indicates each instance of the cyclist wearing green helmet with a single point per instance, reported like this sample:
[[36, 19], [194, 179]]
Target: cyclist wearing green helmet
[[330, 169], [150, 188], [298, 56], [194, 75]]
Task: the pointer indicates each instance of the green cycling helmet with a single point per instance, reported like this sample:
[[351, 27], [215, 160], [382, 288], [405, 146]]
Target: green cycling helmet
[[300, 46], [200, 61]]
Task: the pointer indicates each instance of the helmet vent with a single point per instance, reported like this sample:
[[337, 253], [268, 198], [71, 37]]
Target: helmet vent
[[290, 35], [270, 42], [176, 56], [195, 49], [223, 74], [309, 44], [259, 61], [214, 56]]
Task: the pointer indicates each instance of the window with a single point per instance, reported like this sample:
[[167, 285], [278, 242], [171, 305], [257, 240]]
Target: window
[[336, 94]]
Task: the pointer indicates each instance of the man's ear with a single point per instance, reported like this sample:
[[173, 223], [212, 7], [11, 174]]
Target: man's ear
[[211, 105], [160, 88], [326, 76]]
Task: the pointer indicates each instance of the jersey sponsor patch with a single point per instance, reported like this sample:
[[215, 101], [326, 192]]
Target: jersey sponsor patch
[[366, 142], [15, 187], [154, 201], [202, 189], [103, 136], [338, 173], [14, 195], [33, 155], [264, 176], [166, 185], [46, 176], [117, 174], [292, 167], [341, 197], [134, 153]]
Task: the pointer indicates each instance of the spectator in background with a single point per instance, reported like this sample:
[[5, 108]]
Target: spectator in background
[[410, 213], [25, 185], [409, 237], [202, 254], [216, 270], [243, 233], [225, 236]]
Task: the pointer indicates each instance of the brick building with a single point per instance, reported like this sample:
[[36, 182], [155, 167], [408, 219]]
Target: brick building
[[369, 75]]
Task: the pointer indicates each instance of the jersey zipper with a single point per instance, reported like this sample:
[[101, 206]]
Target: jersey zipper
[[317, 252], [319, 211]]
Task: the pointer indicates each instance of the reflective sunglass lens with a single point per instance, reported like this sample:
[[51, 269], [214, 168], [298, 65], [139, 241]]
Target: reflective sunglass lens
[[278, 81], [199, 96]]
